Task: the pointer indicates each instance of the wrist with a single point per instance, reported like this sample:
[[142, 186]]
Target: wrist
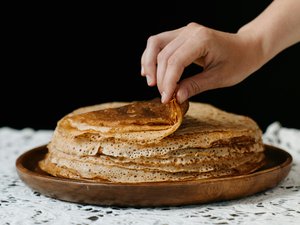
[[275, 29], [255, 43]]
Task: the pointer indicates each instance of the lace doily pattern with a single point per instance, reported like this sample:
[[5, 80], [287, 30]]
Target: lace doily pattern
[[20, 205]]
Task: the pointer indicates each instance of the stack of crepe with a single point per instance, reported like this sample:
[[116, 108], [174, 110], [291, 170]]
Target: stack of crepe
[[147, 141]]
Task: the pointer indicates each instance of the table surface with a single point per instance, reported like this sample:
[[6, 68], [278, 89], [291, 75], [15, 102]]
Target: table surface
[[20, 205]]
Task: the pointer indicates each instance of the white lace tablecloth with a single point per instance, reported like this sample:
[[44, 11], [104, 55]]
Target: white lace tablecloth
[[20, 205]]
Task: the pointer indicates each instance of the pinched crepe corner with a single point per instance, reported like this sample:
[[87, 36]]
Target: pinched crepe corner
[[147, 121]]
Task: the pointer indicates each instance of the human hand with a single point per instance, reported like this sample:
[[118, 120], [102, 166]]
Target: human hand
[[226, 58]]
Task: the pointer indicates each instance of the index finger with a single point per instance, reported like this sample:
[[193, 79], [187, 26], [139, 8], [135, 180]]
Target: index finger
[[181, 58], [154, 45]]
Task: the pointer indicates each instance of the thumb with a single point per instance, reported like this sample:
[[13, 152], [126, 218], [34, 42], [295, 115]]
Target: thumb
[[196, 84]]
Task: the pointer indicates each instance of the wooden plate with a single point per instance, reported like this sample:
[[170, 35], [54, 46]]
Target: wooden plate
[[153, 194]]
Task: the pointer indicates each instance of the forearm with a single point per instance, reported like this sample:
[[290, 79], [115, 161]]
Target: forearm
[[277, 28]]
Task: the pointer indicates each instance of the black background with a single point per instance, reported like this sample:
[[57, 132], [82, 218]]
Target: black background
[[61, 57]]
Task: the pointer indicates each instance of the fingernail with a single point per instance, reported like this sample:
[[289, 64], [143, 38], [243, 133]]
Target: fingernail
[[163, 97], [149, 80], [182, 95], [142, 70]]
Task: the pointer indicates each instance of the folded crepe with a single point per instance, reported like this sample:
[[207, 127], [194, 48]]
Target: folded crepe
[[147, 121], [152, 142]]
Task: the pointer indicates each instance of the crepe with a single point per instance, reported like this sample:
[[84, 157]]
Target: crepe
[[147, 121], [204, 126], [84, 171], [151, 142], [175, 164]]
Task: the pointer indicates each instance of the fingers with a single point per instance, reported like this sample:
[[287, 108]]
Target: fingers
[[163, 61], [184, 55], [149, 58], [166, 56]]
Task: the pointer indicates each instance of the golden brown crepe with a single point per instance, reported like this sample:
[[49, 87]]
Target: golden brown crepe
[[148, 121], [150, 142]]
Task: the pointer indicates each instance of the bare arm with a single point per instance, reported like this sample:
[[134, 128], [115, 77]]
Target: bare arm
[[226, 58], [278, 27]]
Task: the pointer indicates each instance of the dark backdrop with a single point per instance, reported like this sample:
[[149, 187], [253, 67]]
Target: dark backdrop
[[59, 58]]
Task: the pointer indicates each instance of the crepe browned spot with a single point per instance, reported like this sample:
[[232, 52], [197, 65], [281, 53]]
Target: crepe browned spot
[[149, 121]]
